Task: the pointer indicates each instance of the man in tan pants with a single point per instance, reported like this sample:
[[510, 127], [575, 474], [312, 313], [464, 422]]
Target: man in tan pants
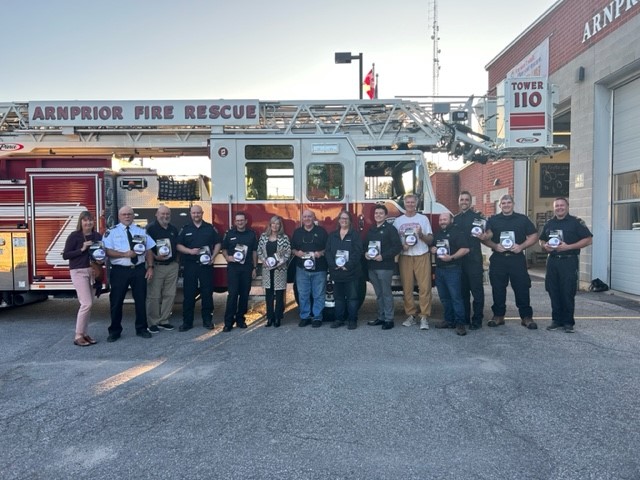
[[161, 290], [415, 261]]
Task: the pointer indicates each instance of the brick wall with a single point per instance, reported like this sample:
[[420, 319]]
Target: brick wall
[[477, 179], [445, 188], [565, 27]]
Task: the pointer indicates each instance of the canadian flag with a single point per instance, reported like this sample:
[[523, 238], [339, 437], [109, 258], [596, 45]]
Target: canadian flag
[[369, 84]]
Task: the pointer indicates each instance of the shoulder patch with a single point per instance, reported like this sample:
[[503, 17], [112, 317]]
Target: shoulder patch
[[106, 234], [581, 221]]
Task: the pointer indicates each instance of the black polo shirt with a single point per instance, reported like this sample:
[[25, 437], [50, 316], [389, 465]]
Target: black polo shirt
[[456, 240], [572, 230], [196, 237], [464, 221], [517, 223], [314, 240], [248, 238], [157, 232]]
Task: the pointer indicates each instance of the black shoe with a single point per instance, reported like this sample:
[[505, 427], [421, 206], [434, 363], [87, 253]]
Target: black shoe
[[184, 328], [166, 326], [569, 329], [276, 323], [375, 323], [143, 334], [387, 325], [241, 324], [336, 324], [113, 337], [209, 326], [460, 330], [352, 325], [153, 329], [316, 323], [475, 326], [304, 322], [269, 323], [226, 328], [554, 326]]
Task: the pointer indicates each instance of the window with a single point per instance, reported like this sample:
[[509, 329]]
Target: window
[[325, 181], [269, 181], [626, 204], [388, 180]]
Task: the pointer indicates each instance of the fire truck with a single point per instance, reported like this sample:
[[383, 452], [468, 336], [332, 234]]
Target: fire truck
[[267, 158]]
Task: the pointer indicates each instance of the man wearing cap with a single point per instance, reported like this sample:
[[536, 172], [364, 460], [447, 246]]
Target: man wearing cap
[[161, 291], [128, 247], [240, 249], [508, 234], [199, 243], [562, 238]]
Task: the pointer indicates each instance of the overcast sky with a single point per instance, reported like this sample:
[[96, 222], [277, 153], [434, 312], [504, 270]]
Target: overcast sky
[[265, 50]]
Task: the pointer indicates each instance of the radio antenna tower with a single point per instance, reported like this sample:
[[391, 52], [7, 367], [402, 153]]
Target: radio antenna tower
[[435, 37]]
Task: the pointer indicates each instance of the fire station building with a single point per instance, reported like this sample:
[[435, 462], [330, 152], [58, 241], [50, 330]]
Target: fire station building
[[590, 50]]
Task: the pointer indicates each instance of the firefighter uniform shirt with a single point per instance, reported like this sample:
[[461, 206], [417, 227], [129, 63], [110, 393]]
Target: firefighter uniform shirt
[[116, 239]]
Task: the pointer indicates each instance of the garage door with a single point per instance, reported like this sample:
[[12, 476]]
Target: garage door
[[625, 237]]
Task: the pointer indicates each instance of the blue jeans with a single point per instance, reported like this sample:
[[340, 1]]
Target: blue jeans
[[449, 281], [381, 281], [346, 296], [311, 285]]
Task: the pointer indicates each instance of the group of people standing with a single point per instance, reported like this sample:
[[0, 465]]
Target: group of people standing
[[147, 261]]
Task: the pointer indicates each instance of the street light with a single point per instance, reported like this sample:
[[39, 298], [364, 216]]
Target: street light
[[346, 57]]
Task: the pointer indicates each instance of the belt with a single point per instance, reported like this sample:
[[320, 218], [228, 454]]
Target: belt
[[562, 256], [164, 263], [508, 254], [128, 267]]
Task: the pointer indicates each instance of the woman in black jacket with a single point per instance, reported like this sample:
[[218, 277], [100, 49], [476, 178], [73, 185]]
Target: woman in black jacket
[[343, 254]]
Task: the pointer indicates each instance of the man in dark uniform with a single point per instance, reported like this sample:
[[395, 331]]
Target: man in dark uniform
[[240, 248], [128, 247], [508, 234], [562, 238], [472, 224], [199, 244], [450, 247], [161, 291]]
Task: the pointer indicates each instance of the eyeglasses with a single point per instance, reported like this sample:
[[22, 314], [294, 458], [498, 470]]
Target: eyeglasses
[[344, 218], [127, 214]]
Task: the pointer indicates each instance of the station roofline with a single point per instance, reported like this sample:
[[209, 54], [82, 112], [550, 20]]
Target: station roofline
[[527, 30]]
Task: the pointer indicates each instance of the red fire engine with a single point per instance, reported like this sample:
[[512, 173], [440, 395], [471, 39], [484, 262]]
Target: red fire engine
[[266, 158]]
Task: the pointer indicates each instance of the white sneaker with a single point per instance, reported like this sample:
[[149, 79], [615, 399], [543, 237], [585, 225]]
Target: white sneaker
[[424, 323], [410, 321]]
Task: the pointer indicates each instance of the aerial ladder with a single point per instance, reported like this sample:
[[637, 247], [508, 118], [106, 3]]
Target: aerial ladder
[[430, 126]]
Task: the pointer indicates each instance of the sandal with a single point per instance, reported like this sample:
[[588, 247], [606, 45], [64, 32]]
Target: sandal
[[90, 339], [81, 342]]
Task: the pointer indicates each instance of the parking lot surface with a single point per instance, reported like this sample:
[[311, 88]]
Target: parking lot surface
[[305, 403]]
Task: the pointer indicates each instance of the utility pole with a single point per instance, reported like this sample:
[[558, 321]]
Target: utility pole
[[435, 37]]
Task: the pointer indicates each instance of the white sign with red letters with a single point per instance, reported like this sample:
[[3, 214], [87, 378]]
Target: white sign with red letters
[[528, 112]]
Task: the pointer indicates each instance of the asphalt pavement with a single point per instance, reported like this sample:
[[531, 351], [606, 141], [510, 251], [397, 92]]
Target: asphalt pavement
[[305, 403]]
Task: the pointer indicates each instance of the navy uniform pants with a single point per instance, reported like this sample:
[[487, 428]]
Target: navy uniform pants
[[197, 276], [505, 269], [561, 282], [121, 278], [472, 284]]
